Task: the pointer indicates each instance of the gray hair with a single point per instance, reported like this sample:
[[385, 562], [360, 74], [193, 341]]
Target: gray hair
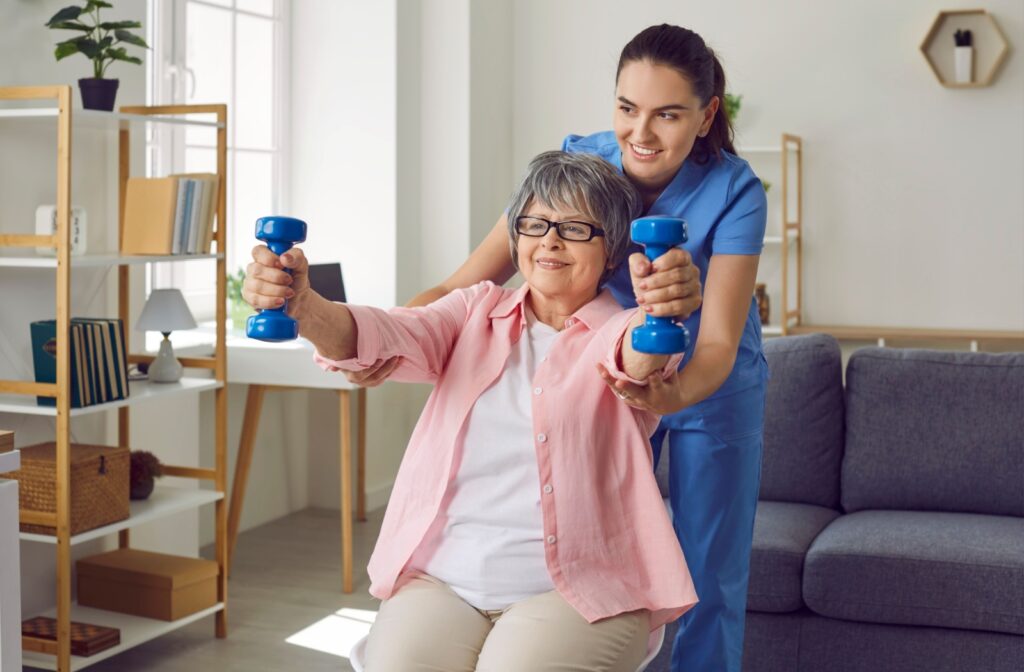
[[586, 183]]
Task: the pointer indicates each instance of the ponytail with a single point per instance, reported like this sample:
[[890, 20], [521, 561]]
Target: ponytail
[[685, 52]]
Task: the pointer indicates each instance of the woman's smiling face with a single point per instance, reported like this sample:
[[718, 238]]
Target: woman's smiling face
[[559, 269], [657, 120]]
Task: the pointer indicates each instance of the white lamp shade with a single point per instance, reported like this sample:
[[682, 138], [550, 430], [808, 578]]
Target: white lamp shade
[[165, 311]]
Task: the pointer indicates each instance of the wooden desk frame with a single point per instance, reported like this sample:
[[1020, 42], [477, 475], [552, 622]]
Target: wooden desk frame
[[250, 423]]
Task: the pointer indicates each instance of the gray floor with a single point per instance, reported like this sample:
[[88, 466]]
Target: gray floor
[[286, 576]]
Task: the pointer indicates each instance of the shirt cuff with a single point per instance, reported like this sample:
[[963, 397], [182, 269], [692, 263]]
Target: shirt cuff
[[612, 364], [368, 345]]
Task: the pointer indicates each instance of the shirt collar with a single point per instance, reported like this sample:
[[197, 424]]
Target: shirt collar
[[593, 314]]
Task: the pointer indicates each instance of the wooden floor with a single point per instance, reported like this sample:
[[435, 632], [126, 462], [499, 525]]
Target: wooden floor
[[286, 577]]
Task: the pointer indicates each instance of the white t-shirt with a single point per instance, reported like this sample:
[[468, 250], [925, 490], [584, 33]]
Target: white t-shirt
[[487, 541]]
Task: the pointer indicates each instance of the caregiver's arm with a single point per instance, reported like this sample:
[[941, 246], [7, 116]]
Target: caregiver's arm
[[729, 286], [491, 260]]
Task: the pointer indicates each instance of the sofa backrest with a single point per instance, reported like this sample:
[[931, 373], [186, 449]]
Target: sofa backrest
[[937, 431], [803, 421]]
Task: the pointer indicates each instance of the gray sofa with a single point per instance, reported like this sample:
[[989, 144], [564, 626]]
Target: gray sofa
[[890, 524]]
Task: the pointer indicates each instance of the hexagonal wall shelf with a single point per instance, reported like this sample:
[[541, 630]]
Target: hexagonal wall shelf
[[990, 46]]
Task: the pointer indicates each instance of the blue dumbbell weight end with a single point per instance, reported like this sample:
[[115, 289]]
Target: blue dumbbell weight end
[[659, 335], [273, 324]]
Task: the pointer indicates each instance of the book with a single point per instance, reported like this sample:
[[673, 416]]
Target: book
[[149, 215], [195, 215], [44, 360], [113, 355], [180, 214], [204, 206], [211, 212]]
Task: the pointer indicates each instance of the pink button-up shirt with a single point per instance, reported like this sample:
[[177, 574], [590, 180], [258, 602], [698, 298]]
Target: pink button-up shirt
[[609, 544]]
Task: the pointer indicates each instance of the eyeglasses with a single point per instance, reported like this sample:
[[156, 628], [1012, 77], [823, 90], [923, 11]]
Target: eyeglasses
[[538, 227]]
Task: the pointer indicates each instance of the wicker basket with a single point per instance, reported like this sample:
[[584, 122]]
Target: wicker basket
[[99, 485]]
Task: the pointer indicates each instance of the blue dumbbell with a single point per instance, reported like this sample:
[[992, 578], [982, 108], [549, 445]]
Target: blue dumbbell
[[273, 324], [659, 335]]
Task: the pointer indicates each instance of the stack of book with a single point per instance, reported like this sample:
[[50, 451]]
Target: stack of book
[[170, 215], [99, 362]]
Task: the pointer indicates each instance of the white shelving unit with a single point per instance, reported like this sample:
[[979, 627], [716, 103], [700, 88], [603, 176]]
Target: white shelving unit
[[18, 250]]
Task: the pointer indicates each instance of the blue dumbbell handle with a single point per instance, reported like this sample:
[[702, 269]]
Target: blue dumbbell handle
[[279, 247]]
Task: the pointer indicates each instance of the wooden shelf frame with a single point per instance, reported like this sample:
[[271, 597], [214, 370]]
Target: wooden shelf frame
[[986, 19], [792, 148], [61, 263]]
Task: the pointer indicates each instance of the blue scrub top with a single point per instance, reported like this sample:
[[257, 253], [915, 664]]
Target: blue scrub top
[[725, 209]]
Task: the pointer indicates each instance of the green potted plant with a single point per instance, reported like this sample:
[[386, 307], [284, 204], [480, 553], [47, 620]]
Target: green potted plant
[[99, 41], [238, 310], [145, 467]]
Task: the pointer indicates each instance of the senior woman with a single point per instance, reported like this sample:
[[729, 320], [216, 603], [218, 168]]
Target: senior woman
[[525, 530]]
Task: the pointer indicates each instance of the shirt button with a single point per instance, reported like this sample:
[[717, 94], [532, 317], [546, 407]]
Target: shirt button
[[537, 391], [542, 437], [547, 489], [551, 539], [544, 358]]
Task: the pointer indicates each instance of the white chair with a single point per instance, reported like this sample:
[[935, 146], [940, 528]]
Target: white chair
[[654, 643]]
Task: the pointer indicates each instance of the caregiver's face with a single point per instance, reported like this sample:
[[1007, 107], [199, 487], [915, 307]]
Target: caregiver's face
[[564, 270], [657, 119]]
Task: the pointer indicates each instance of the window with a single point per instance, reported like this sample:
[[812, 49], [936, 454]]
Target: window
[[212, 51]]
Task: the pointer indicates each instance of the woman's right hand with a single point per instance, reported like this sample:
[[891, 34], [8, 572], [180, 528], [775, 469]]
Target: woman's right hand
[[267, 285]]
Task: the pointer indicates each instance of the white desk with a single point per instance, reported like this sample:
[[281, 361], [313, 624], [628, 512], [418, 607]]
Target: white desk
[[287, 366], [10, 567], [284, 366]]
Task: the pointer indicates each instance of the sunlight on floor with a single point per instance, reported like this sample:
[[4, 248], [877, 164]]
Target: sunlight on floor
[[337, 633]]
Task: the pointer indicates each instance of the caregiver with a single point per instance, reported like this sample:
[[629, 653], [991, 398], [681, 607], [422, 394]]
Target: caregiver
[[672, 139]]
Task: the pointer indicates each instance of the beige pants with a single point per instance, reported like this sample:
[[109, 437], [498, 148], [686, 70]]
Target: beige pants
[[425, 627]]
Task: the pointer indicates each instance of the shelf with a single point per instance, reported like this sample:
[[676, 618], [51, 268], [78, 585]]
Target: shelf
[[754, 149], [10, 461], [139, 390], [990, 46], [97, 260], [164, 501], [101, 120], [135, 630], [771, 330]]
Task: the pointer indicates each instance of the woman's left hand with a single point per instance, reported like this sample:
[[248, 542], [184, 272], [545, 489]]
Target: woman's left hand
[[667, 287], [661, 395]]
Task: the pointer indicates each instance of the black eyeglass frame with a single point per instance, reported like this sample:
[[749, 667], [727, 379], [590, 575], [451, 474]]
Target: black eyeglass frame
[[595, 232]]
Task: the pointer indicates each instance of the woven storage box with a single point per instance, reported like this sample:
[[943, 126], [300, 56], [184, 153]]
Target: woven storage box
[[99, 484], [6, 441], [152, 585]]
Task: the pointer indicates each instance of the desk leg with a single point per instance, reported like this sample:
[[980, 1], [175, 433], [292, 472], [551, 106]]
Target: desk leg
[[361, 456], [346, 490], [251, 420]]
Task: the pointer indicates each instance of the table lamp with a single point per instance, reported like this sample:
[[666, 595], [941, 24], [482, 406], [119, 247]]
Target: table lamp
[[165, 311]]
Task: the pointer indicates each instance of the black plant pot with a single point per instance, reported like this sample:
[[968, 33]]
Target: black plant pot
[[98, 94]]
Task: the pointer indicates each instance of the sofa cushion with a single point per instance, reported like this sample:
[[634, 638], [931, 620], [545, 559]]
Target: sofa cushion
[[934, 431], [954, 570], [783, 532], [803, 421]]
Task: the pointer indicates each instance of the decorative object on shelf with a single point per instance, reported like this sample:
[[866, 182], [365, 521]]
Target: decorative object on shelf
[[99, 485], [46, 225], [980, 48], [40, 634], [238, 310], [99, 42], [763, 304], [145, 469], [152, 585], [165, 311], [963, 57], [6, 441]]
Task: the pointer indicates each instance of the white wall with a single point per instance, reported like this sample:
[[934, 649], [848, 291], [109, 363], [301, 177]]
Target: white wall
[[913, 199]]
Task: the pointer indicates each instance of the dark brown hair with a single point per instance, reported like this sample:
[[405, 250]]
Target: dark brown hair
[[685, 52]]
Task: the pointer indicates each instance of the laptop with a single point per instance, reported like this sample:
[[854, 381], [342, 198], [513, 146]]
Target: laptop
[[325, 279]]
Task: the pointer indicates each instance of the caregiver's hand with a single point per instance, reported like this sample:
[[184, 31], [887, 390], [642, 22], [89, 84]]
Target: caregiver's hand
[[267, 285], [668, 287], [375, 375], [661, 396]]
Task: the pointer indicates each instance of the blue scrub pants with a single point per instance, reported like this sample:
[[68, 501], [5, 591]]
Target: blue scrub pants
[[714, 476]]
